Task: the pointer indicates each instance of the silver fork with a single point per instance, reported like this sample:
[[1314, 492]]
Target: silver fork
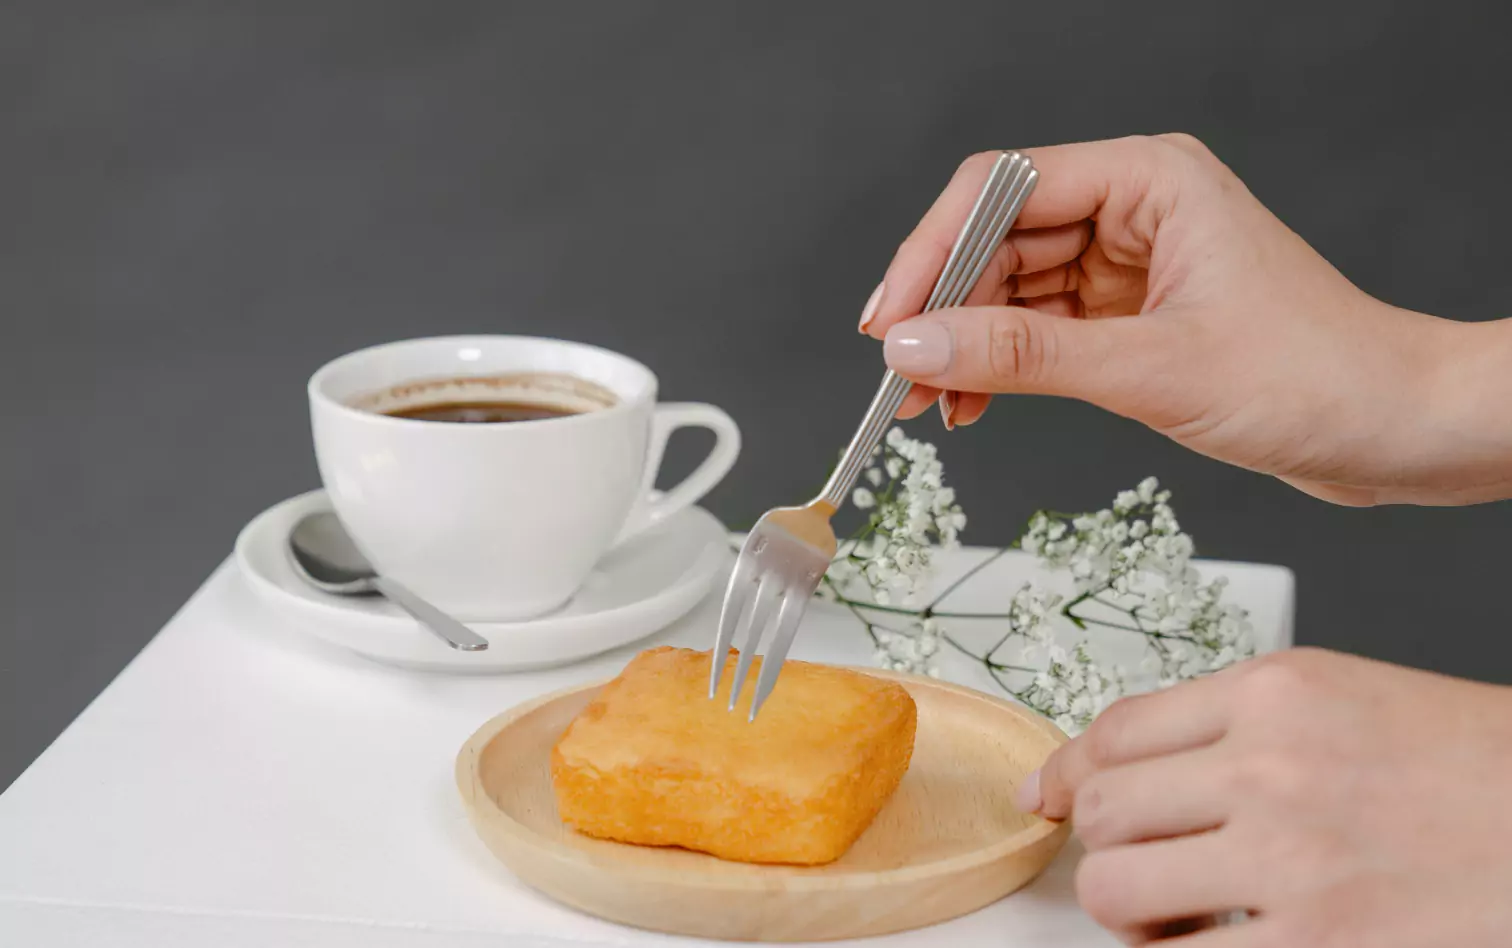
[[786, 554]]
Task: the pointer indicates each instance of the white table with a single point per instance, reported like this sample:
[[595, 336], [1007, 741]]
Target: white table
[[239, 785]]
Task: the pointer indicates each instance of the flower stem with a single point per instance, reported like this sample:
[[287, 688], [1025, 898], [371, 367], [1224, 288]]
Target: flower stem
[[925, 613], [968, 574], [986, 660], [1138, 627], [1021, 696], [870, 629], [1112, 605], [1114, 625], [854, 604], [938, 614], [999, 666]]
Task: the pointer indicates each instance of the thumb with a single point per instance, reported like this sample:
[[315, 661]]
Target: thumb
[[1009, 349]]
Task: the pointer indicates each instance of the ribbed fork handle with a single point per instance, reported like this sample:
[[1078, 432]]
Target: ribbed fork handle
[[998, 203], [884, 408]]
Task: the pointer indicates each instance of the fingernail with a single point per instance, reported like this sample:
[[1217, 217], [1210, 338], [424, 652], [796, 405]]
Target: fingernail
[[870, 310], [947, 409], [918, 347], [1028, 797]]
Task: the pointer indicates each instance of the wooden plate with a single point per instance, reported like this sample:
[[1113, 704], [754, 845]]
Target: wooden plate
[[949, 841]]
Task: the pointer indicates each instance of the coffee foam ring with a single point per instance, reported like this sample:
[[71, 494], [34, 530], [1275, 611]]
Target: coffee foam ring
[[564, 392]]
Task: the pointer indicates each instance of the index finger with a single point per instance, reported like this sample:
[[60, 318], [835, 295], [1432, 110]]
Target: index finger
[[1075, 183], [1187, 716]]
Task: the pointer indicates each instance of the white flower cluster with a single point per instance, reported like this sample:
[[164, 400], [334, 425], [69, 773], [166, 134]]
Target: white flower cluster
[[1131, 559], [1104, 549], [911, 649], [914, 514], [1195, 632], [1134, 558], [1031, 615], [1072, 689]]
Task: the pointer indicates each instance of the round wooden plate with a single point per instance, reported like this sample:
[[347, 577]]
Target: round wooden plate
[[949, 841]]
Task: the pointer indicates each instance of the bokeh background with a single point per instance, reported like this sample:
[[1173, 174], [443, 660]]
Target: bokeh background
[[200, 203]]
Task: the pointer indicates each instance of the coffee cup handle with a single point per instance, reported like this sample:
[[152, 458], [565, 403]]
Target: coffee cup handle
[[668, 418]]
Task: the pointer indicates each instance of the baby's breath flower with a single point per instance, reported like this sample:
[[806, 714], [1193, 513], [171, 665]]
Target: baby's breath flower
[[1131, 557], [910, 649], [911, 514]]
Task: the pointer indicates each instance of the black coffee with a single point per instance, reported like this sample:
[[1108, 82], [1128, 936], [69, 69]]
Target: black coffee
[[481, 412], [489, 399]]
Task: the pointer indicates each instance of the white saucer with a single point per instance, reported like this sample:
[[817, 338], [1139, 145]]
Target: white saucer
[[638, 589]]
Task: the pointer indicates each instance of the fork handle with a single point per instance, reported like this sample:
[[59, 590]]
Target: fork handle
[[1011, 176], [884, 408]]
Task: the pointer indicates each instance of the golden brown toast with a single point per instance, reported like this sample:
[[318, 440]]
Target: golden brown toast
[[652, 760]]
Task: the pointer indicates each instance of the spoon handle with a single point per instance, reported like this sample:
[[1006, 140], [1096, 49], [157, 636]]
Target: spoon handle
[[452, 632]]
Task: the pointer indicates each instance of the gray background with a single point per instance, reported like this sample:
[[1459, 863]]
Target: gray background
[[200, 204]]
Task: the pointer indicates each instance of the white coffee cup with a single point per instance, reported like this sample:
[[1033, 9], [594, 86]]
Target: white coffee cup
[[500, 521]]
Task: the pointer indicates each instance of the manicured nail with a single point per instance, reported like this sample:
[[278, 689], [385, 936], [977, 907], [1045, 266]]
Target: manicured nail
[[1028, 797], [947, 409], [918, 347], [870, 310]]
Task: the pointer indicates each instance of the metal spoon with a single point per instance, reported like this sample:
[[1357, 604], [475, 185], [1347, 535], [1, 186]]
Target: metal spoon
[[325, 555]]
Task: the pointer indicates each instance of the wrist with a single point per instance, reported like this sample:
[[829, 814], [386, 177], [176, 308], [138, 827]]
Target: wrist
[[1468, 422]]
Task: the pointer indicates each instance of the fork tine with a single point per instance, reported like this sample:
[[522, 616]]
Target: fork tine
[[729, 615], [761, 608], [793, 608]]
